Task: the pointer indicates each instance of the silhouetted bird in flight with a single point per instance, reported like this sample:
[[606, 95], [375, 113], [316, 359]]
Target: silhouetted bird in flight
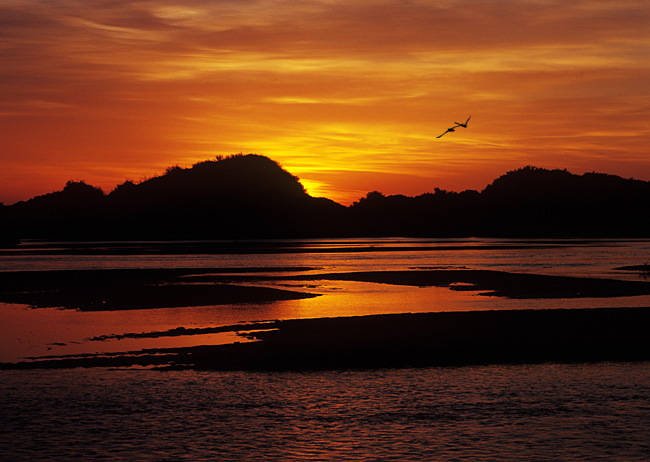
[[453, 129], [463, 125]]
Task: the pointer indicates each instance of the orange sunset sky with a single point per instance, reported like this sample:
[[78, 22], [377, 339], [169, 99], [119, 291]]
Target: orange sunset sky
[[347, 95]]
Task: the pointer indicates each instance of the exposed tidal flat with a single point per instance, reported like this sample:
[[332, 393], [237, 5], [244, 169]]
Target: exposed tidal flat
[[386, 340], [384, 350], [396, 340], [153, 294]]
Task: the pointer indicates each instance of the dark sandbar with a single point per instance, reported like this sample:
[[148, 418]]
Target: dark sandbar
[[166, 288], [441, 339], [504, 284], [488, 282], [408, 340], [124, 289], [643, 270], [400, 340]]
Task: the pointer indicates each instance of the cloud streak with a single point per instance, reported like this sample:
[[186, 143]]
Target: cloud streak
[[121, 89]]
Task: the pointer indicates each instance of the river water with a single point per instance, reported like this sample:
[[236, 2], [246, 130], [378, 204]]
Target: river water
[[530, 412]]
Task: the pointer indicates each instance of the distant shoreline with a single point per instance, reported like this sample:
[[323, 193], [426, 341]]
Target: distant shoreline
[[279, 246]]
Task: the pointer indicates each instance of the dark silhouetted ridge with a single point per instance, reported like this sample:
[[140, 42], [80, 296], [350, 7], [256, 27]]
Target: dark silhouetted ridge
[[252, 178], [238, 197], [535, 202], [251, 196]]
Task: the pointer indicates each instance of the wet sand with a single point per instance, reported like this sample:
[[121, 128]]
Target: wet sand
[[125, 289], [129, 289], [397, 340], [403, 340], [500, 283], [440, 339]]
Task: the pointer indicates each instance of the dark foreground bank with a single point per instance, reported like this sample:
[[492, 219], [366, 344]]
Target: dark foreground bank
[[405, 340]]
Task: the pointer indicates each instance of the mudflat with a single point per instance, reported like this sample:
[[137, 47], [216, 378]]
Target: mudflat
[[394, 340], [168, 288], [401, 340], [131, 289], [500, 283], [439, 339]]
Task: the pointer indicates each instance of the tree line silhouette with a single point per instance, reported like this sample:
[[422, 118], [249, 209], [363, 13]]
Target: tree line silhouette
[[251, 196]]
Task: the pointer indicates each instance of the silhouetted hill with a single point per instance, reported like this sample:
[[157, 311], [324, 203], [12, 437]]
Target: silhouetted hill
[[537, 202], [251, 196], [72, 213], [441, 214], [237, 178], [528, 202], [236, 197]]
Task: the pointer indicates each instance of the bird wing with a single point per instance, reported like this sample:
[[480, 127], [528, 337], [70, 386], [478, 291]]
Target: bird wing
[[442, 134]]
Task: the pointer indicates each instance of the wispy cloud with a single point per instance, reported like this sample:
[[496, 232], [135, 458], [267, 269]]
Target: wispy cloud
[[129, 87]]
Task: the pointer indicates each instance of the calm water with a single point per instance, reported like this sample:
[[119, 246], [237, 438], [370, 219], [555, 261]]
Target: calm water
[[540, 412], [598, 412], [565, 257]]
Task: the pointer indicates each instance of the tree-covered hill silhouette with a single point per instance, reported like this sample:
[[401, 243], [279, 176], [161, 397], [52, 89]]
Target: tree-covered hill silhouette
[[251, 196], [528, 202], [538, 202], [238, 197]]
